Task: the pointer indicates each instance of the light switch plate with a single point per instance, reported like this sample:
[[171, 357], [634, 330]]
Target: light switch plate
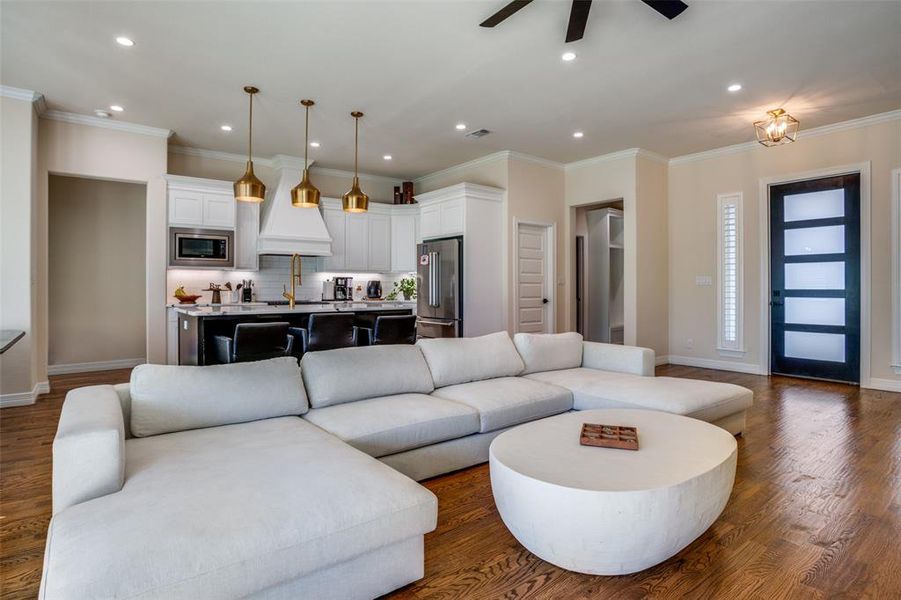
[[703, 280]]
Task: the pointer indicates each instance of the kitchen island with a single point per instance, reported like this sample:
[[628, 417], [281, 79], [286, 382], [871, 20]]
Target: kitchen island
[[198, 324]]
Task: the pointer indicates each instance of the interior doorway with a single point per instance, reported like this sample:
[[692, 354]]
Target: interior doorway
[[815, 271], [97, 274], [599, 271], [534, 262]]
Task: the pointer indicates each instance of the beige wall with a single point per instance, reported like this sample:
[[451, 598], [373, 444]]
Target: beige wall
[[19, 372], [652, 254], [379, 189], [693, 187], [100, 153], [96, 265]]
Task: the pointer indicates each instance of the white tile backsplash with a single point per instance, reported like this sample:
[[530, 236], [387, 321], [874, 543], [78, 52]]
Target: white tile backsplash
[[275, 272]]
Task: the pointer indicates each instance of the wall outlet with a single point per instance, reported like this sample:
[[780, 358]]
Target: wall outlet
[[689, 343], [703, 280]]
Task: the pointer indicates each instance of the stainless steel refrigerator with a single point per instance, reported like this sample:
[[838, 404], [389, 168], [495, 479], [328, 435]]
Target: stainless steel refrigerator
[[439, 289]]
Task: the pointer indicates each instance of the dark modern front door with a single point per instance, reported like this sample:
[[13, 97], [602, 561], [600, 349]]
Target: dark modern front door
[[815, 278]]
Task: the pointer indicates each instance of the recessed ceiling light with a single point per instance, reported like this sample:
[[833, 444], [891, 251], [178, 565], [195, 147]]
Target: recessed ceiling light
[[578, 134], [387, 157], [225, 127], [460, 126], [735, 87], [124, 41], [568, 56], [314, 144], [102, 113], [116, 108]]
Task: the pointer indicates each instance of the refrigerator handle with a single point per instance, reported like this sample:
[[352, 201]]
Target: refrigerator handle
[[434, 280]]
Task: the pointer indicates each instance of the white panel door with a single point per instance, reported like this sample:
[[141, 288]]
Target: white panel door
[[218, 210], [403, 242], [334, 223], [379, 242], [185, 208], [532, 306], [356, 243]]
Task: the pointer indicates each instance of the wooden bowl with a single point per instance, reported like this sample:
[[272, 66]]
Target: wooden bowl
[[190, 299]]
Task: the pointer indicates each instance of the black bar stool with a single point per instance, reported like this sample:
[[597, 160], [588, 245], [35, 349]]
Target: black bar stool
[[389, 329], [325, 331], [254, 341]]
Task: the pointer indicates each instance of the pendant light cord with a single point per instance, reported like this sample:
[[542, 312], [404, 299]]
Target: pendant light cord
[[356, 141], [306, 133], [250, 132]]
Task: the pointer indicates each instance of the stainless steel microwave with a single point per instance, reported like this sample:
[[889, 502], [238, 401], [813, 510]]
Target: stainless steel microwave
[[201, 248]]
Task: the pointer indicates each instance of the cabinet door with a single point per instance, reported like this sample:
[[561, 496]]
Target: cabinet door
[[185, 208], [379, 243], [430, 222], [356, 244], [403, 243], [334, 223], [218, 210], [452, 218], [247, 230]]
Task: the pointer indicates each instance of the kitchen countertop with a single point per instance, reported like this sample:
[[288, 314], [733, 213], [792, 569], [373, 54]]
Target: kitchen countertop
[[263, 309]]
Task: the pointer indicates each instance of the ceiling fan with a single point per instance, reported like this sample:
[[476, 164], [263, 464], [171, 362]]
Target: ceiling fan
[[578, 16]]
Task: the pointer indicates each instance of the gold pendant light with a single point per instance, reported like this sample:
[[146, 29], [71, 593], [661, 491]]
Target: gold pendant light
[[780, 128], [305, 194], [355, 201], [249, 188]]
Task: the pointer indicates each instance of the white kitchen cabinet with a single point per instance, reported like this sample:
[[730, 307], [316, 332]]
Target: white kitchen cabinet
[[356, 242], [247, 231], [334, 223], [403, 242], [171, 336], [202, 203], [185, 208], [430, 221], [379, 242], [443, 219], [219, 210]]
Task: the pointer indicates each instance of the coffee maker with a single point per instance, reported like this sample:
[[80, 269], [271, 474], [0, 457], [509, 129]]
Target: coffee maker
[[344, 288], [374, 289]]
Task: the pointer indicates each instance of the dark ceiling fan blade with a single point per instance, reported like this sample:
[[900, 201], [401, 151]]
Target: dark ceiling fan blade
[[668, 8], [578, 18], [504, 13]]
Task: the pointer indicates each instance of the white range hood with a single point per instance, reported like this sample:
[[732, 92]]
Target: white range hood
[[286, 229]]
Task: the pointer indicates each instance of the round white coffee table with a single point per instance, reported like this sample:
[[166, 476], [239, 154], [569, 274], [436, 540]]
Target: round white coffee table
[[607, 511]]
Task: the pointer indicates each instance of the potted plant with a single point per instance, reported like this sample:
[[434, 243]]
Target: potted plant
[[406, 287]]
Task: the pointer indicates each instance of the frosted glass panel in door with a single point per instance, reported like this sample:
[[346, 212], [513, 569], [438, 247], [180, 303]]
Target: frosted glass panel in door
[[827, 204], [815, 240], [815, 311], [815, 276], [815, 346]]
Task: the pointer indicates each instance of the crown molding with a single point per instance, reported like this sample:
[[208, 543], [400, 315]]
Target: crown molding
[[604, 158], [217, 155], [36, 98], [537, 160], [461, 190], [476, 162], [76, 119], [364, 176], [885, 117]]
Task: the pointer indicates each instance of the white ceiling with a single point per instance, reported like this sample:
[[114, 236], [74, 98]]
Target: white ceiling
[[417, 68]]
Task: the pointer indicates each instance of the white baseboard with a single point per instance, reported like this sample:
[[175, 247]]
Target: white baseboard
[[106, 365], [661, 360], [886, 385], [25, 398], [709, 363]]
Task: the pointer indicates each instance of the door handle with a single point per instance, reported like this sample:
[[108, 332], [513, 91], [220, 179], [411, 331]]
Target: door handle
[[434, 282], [544, 300]]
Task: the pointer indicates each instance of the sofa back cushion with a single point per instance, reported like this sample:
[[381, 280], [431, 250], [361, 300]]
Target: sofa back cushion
[[549, 351], [167, 398], [351, 374], [461, 360]]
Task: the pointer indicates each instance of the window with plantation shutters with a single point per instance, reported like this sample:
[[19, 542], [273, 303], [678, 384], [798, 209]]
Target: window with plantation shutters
[[729, 276]]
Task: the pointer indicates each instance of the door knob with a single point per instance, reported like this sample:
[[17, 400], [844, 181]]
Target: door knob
[[544, 300]]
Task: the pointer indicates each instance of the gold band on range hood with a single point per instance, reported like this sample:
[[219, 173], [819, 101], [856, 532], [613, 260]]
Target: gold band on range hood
[[249, 188], [305, 194], [355, 201]]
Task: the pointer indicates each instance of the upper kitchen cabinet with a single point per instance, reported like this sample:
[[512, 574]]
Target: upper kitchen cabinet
[[443, 218], [380, 240], [203, 203], [356, 241], [404, 237]]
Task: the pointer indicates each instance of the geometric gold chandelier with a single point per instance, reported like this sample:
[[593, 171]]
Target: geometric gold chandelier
[[780, 128]]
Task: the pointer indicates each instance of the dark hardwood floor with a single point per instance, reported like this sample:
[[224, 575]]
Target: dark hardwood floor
[[815, 512]]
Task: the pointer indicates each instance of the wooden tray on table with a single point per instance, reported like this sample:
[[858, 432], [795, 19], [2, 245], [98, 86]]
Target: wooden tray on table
[[609, 436]]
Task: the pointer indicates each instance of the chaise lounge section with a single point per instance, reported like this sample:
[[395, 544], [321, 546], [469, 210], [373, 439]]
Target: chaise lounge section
[[264, 480]]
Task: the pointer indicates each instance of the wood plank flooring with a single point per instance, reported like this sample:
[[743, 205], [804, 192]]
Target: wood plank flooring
[[815, 512]]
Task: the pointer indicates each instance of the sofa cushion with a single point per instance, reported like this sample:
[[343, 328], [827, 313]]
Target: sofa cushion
[[508, 401], [460, 360], [549, 351], [705, 400], [382, 426], [350, 374], [228, 511], [166, 398]]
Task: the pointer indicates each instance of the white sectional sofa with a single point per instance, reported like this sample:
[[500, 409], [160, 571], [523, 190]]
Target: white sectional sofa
[[246, 481]]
